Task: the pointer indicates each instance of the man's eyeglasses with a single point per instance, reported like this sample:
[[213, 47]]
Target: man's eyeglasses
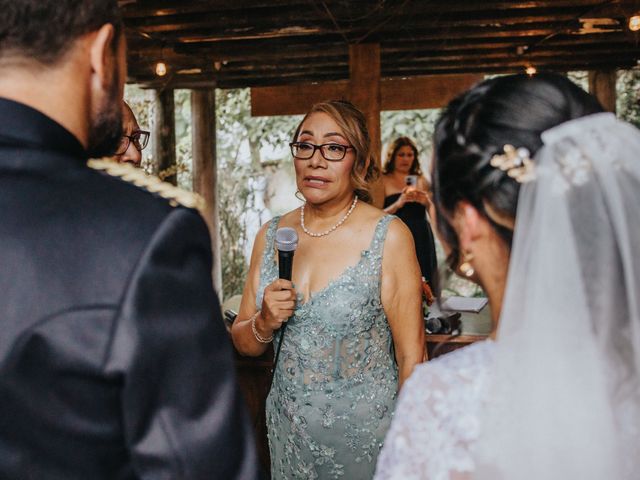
[[140, 139], [334, 152]]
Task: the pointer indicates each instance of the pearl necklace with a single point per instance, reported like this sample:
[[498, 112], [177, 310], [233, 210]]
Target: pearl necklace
[[326, 232]]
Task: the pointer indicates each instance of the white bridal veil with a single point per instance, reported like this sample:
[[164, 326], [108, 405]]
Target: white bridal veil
[[565, 394]]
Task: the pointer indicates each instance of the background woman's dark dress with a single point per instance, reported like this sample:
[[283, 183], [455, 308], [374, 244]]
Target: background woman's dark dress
[[414, 215]]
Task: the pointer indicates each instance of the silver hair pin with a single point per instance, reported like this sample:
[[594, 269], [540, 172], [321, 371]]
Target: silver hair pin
[[516, 162]]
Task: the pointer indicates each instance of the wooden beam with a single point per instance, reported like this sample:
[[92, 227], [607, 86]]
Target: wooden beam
[[205, 176], [294, 99], [424, 92], [364, 93], [257, 79], [233, 81], [421, 61], [602, 84], [277, 22], [284, 60], [396, 94], [163, 129], [430, 32], [405, 40], [580, 62], [145, 8], [217, 17], [561, 67]]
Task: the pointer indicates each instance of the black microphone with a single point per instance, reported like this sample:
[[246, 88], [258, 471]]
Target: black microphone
[[286, 243]]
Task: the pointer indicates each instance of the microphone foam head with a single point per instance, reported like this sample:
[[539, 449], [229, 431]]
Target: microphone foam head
[[286, 239]]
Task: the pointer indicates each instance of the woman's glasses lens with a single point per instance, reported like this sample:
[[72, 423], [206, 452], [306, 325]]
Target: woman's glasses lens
[[330, 151]]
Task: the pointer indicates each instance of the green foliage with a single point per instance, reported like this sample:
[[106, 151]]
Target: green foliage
[[184, 157], [415, 124], [236, 124], [235, 197], [580, 78], [238, 175], [628, 96]]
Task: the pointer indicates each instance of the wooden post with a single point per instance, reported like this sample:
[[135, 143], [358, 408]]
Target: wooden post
[[205, 175], [164, 134], [364, 92], [602, 84]]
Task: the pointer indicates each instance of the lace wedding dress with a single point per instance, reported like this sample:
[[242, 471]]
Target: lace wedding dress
[[436, 420], [557, 395]]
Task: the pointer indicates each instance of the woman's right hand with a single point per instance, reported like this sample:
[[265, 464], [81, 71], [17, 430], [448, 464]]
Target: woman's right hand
[[402, 199], [398, 204], [278, 304]]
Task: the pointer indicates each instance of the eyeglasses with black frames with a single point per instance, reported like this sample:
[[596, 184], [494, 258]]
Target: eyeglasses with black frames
[[333, 152], [140, 140]]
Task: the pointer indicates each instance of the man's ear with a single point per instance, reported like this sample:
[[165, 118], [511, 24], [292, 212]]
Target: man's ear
[[468, 224], [103, 55]]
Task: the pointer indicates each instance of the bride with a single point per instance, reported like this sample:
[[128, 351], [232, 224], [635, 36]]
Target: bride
[[538, 200]]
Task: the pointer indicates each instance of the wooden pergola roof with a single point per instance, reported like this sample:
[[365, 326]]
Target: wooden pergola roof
[[242, 43]]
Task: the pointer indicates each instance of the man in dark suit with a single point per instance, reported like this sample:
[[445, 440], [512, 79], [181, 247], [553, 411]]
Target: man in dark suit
[[114, 361]]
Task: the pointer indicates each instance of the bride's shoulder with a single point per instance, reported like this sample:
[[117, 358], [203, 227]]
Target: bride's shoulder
[[454, 369], [450, 384], [436, 418]]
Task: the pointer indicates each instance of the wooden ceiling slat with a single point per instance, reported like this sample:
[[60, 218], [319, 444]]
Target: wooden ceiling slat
[[277, 49], [150, 8], [418, 17], [166, 8], [424, 30], [415, 56]]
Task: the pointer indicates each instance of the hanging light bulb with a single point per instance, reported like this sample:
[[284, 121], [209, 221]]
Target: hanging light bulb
[[531, 70], [634, 23], [161, 69]]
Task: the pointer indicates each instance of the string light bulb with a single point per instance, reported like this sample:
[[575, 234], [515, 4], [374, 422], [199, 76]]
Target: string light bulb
[[161, 69], [634, 23], [531, 70]]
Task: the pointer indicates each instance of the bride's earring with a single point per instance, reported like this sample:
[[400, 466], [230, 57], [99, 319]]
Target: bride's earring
[[299, 196], [465, 267]]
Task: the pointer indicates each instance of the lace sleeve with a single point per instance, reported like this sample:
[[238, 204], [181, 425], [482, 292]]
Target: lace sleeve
[[436, 421]]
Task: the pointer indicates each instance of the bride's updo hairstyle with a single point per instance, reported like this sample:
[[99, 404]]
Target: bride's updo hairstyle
[[510, 110]]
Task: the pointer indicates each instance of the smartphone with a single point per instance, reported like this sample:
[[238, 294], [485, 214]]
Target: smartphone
[[411, 180]]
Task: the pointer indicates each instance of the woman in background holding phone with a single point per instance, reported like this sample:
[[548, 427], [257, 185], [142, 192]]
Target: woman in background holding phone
[[406, 195]]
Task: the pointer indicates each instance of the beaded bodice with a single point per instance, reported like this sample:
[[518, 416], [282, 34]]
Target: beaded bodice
[[336, 378]]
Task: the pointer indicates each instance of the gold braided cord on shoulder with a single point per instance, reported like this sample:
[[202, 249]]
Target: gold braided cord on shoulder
[[151, 183]]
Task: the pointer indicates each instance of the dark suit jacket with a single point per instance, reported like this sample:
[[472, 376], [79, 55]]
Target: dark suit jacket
[[114, 361]]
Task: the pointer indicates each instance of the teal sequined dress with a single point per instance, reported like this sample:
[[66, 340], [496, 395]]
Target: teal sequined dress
[[336, 380]]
